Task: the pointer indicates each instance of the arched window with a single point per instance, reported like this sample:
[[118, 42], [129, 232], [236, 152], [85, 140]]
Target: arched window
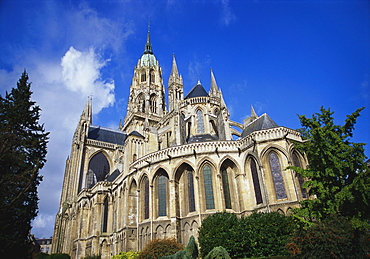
[[226, 187], [134, 157], [153, 103], [208, 187], [191, 191], [143, 76], [277, 176], [141, 102], [152, 77], [256, 182], [105, 215], [162, 195], [146, 198], [297, 163], [99, 166], [200, 121]]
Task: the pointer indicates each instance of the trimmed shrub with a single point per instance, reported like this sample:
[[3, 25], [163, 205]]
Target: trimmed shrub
[[259, 235], [127, 255], [59, 256], [334, 237], [218, 253], [42, 256], [157, 248]]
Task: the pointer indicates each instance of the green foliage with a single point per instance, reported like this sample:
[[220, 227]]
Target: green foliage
[[337, 174], [22, 154], [218, 253], [334, 237], [59, 256], [94, 256], [42, 256], [157, 248], [190, 251], [216, 230], [127, 255], [260, 234]]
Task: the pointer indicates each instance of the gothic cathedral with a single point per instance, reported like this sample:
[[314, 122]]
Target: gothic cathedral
[[164, 170]]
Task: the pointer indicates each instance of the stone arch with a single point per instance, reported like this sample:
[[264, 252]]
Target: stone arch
[[104, 249], [144, 197], [230, 184], [159, 232], [132, 204], [184, 190], [252, 168], [199, 117], [297, 161], [168, 230], [153, 103], [186, 233], [140, 100], [280, 211], [194, 228]]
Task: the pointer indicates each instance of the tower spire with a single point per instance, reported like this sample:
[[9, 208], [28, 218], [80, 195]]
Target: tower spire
[[214, 91], [148, 45]]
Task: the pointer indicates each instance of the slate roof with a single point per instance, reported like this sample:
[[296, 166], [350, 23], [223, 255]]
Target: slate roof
[[107, 135], [113, 175], [135, 133], [202, 138], [197, 91], [261, 123]]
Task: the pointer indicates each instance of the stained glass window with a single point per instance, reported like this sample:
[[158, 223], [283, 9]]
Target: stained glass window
[[256, 182], [208, 188], [191, 191], [277, 176], [200, 121], [300, 178], [162, 195], [105, 215], [146, 198], [226, 188], [90, 179]]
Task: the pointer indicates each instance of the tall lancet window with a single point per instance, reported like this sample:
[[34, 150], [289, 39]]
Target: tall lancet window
[[105, 215], [297, 163], [191, 191], [256, 182], [153, 103], [277, 176], [226, 187], [200, 121], [208, 188], [146, 198], [162, 195], [90, 179]]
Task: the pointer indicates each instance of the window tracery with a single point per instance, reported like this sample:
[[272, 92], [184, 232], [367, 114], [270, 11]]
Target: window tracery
[[277, 176], [208, 187]]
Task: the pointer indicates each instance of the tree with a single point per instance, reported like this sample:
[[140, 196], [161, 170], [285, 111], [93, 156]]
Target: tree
[[333, 237], [157, 248], [338, 177], [22, 154]]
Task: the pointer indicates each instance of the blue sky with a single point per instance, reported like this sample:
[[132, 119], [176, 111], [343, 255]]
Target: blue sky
[[283, 57]]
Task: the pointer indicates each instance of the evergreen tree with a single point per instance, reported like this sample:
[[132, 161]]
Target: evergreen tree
[[337, 176], [22, 154]]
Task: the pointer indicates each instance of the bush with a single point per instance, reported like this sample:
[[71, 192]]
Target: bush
[[97, 256], [157, 248], [59, 256], [218, 253], [334, 237], [260, 234], [190, 251], [127, 255], [42, 256]]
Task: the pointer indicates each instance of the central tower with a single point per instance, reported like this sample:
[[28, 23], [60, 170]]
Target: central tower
[[146, 105]]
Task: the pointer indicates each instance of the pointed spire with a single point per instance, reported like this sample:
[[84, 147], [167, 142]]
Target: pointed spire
[[214, 88], [148, 45], [174, 70], [87, 112], [253, 112]]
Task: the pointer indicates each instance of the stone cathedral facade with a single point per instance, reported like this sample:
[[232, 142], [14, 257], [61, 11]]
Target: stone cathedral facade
[[168, 167]]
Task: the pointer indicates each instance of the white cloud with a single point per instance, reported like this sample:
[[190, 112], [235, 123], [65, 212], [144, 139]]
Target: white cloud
[[227, 15], [81, 74]]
